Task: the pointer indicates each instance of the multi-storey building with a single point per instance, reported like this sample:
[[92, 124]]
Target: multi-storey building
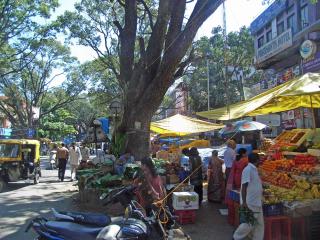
[[287, 44]]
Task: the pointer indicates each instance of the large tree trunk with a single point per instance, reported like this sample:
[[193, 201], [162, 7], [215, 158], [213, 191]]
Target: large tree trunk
[[145, 82]]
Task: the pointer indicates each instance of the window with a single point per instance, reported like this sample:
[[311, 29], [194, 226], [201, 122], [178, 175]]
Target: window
[[280, 28], [290, 9], [269, 36], [291, 23], [304, 16], [260, 41]]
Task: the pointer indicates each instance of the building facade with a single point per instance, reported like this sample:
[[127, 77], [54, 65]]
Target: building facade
[[287, 45], [5, 125]]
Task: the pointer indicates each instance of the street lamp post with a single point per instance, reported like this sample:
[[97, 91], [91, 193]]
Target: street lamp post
[[208, 83], [115, 108], [96, 123]]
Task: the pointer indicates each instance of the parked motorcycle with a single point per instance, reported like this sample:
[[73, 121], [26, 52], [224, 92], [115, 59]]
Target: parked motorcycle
[[134, 225]]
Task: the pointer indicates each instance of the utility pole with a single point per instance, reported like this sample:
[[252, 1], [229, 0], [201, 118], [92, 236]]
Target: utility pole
[[208, 83], [225, 47]]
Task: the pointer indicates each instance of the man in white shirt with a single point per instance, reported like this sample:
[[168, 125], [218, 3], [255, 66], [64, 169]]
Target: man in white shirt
[[251, 198], [229, 156], [75, 158]]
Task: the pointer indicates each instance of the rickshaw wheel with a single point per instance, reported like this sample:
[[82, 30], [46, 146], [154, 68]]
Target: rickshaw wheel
[[2, 185]]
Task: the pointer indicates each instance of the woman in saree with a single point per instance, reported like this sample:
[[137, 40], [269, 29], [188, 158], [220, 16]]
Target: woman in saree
[[234, 181], [215, 178], [238, 166]]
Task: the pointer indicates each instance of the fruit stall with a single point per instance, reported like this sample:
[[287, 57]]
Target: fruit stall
[[290, 172]]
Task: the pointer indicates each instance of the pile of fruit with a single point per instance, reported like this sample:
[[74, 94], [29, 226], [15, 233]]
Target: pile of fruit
[[285, 165], [305, 159], [302, 190], [301, 165], [279, 179], [268, 166], [281, 165], [304, 169]]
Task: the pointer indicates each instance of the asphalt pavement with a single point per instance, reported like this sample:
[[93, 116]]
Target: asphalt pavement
[[23, 201]]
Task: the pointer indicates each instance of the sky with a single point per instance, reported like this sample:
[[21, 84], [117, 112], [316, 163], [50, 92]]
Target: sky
[[238, 13]]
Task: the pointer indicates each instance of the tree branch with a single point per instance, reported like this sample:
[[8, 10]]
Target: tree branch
[[147, 9], [128, 38]]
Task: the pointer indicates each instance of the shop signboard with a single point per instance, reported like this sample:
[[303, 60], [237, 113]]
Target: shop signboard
[[289, 124], [307, 49], [311, 64], [272, 120], [275, 46]]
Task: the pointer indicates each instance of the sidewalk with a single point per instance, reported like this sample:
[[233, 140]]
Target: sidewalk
[[210, 224]]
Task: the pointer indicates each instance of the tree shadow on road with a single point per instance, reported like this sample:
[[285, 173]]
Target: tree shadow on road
[[17, 211]]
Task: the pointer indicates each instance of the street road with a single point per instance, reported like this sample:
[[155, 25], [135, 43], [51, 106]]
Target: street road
[[23, 201]]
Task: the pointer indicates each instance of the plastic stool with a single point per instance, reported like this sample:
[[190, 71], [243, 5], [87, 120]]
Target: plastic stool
[[277, 227]]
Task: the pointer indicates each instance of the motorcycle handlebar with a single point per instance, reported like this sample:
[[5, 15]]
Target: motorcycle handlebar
[[128, 189]]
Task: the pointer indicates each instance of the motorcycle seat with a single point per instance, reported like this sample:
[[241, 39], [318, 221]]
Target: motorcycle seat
[[73, 231], [96, 219]]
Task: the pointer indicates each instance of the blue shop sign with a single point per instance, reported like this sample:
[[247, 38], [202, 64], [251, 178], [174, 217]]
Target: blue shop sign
[[30, 133], [6, 132], [268, 15]]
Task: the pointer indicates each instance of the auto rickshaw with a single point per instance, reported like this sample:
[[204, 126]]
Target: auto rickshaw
[[19, 160]]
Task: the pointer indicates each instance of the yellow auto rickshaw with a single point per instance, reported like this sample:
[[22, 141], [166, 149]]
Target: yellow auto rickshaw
[[19, 160]]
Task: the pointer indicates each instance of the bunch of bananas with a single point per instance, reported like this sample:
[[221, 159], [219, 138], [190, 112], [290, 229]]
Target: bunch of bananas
[[303, 184], [315, 191]]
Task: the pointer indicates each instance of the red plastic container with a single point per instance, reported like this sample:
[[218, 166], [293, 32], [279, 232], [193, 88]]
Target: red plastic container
[[185, 216]]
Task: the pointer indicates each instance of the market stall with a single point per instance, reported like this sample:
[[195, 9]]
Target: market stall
[[290, 167], [290, 171], [179, 132]]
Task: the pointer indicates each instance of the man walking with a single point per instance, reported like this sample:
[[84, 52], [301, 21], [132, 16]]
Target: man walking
[[75, 158], [62, 156], [251, 199], [229, 157]]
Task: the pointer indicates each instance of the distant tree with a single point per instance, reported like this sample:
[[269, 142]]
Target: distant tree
[[20, 29], [54, 126], [237, 55], [28, 88]]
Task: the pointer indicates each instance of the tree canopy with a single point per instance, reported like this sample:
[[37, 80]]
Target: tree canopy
[[146, 45]]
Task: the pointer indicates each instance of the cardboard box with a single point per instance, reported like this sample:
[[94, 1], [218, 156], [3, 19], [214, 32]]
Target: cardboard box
[[172, 179], [185, 200]]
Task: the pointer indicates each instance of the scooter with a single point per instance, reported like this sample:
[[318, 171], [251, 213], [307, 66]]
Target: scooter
[[52, 159], [123, 195], [134, 225]]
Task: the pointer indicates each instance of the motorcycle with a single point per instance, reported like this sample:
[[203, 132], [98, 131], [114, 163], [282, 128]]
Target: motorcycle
[[134, 225], [52, 160]]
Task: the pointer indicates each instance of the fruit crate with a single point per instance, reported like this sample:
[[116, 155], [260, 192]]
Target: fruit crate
[[272, 209], [185, 216], [313, 226]]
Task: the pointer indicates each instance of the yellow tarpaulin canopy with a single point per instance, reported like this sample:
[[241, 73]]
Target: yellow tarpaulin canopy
[[182, 125], [299, 92]]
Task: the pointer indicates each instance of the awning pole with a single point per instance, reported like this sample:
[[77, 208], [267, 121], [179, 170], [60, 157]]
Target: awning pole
[[312, 112]]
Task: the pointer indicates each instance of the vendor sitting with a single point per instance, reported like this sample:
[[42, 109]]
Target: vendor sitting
[[122, 161], [151, 188]]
